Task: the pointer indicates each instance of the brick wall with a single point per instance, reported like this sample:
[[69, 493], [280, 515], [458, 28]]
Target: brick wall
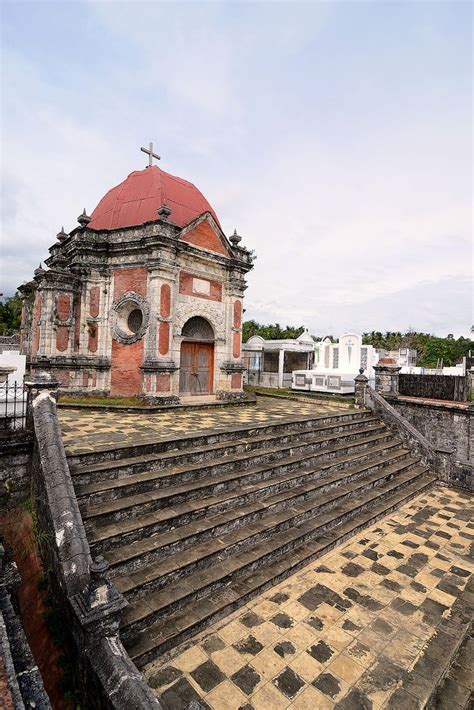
[[165, 301], [126, 376], [63, 306], [62, 338], [204, 237], [164, 338]]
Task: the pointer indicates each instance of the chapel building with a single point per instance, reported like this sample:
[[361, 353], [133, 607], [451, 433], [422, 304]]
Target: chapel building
[[144, 298]]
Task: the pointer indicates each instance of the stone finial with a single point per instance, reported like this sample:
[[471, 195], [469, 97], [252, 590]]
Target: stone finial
[[39, 271], [98, 569], [61, 236], [235, 238], [42, 380], [84, 218], [360, 386], [164, 211]]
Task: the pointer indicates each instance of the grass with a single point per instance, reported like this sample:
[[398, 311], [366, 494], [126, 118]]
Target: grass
[[284, 392], [104, 401]]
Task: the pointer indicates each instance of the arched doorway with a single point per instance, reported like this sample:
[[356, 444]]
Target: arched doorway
[[196, 372]]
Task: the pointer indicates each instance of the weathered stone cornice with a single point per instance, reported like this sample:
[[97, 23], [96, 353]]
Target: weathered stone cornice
[[159, 366], [72, 362]]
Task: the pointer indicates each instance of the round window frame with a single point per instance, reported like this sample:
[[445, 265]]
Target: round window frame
[[120, 312]]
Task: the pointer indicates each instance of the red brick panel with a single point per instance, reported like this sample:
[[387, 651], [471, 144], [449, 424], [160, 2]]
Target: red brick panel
[[237, 314], [62, 338], [186, 287], [204, 237], [63, 377], [89, 379], [94, 301], [163, 383], [77, 324], [126, 378], [236, 345], [165, 301], [35, 328], [93, 337], [35, 339], [236, 381], [130, 280], [63, 306], [164, 338]]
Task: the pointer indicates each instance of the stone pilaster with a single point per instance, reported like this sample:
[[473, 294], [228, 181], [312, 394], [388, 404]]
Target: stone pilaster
[[360, 387], [386, 378]]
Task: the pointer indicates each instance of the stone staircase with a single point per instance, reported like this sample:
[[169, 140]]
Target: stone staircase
[[195, 527]]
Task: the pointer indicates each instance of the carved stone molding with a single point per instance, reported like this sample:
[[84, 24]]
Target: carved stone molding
[[121, 309], [231, 367], [159, 366], [211, 312]]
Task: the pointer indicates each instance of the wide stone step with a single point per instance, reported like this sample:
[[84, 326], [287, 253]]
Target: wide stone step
[[169, 524], [155, 507], [127, 558], [190, 475], [203, 582], [210, 436], [308, 500], [186, 493], [165, 633], [96, 474]]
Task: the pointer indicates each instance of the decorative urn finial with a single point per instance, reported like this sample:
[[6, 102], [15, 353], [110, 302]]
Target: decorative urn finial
[[39, 271], [84, 218], [61, 236], [235, 238], [164, 211]]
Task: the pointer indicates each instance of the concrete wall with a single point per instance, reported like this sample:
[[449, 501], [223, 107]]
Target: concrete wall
[[442, 424]]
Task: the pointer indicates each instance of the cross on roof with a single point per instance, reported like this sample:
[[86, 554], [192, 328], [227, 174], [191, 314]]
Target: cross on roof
[[150, 153]]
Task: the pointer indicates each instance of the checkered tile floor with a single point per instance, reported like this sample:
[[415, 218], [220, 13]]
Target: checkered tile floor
[[85, 430], [343, 632]]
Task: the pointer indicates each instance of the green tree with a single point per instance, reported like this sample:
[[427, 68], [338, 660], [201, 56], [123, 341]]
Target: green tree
[[10, 315], [273, 331]]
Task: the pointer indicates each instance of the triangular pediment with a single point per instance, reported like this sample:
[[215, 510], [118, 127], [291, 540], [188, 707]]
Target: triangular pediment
[[205, 233]]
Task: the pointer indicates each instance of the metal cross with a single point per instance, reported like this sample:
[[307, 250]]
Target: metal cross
[[150, 153]]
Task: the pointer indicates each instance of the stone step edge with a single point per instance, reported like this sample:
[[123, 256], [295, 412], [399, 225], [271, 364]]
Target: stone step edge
[[142, 653], [152, 496], [382, 492], [141, 522], [212, 469], [123, 469], [321, 507], [297, 465], [112, 464], [130, 551], [164, 443]]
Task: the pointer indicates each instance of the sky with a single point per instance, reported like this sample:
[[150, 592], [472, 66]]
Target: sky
[[336, 137]]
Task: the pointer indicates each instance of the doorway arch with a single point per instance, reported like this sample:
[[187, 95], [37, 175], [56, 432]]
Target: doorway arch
[[196, 372]]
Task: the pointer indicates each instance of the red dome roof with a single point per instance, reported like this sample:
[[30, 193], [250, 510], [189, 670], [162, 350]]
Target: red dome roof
[[137, 199]]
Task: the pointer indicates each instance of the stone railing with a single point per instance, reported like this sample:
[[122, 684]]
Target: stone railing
[[441, 459], [91, 604]]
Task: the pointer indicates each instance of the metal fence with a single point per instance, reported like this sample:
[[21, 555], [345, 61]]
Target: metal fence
[[13, 406], [448, 387]]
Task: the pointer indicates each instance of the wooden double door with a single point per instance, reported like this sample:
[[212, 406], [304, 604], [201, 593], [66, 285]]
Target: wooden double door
[[196, 368]]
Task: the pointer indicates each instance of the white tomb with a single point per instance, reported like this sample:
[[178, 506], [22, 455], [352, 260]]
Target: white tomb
[[270, 363], [336, 365]]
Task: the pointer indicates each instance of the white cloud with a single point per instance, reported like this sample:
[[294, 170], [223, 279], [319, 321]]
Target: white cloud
[[358, 204]]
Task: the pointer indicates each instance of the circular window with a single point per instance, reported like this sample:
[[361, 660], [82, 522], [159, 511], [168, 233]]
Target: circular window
[[129, 318], [135, 320]]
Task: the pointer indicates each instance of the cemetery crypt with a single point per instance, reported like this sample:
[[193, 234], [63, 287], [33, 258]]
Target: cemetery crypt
[[144, 298]]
